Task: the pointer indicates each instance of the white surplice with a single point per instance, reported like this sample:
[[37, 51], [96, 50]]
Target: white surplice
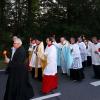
[[83, 51], [77, 61], [37, 52], [89, 45], [51, 54], [32, 62], [95, 56], [63, 47]]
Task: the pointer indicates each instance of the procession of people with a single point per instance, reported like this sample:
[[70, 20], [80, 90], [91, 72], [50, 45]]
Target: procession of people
[[72, 57]]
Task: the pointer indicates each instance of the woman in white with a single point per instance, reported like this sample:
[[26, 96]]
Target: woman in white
[[50, 81], [76, 71]]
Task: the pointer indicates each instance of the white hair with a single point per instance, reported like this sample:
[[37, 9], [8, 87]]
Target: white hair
[[14, 37], [18, 40]]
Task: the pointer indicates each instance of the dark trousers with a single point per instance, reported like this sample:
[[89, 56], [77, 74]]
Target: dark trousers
[[76, 74], [96, 71], [84, 64], [39, 73], [89, 61]]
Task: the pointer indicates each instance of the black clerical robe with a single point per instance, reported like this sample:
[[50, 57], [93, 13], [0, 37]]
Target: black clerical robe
[[18, 86]]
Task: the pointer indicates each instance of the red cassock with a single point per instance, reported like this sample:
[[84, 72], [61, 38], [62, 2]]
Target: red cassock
[[50, 83]]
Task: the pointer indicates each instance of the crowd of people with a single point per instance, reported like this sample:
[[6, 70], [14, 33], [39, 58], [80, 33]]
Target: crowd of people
[[70, 56]]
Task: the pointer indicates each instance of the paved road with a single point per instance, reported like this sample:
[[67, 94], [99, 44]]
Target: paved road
[[70, 90]]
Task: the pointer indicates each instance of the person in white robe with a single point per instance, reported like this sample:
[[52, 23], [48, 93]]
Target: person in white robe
[[50, 81], [65, 60], [36, 60], [33, 58], [95, 50], [88, 44], [83, 51], [31, 50], [76, 71]]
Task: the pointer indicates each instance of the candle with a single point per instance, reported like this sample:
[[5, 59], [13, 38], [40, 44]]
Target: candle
[[4, 52], [6, 58]]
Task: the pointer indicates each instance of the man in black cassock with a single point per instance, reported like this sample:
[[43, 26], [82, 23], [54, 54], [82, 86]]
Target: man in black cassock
[[18, 86]]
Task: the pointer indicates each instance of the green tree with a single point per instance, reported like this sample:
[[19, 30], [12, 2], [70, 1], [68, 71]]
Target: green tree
[[2, 16]]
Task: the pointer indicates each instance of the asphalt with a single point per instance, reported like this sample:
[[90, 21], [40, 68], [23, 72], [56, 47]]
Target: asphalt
[[70, 90]]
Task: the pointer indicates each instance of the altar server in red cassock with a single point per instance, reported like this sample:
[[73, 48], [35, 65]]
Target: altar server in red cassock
[[50, 81]]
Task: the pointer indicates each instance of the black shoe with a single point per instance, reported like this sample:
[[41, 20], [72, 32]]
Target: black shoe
[[64, 73]]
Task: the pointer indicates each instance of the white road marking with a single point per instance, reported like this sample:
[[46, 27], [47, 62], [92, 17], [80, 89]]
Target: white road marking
[[96, 83], [2, 70], [47, 96]]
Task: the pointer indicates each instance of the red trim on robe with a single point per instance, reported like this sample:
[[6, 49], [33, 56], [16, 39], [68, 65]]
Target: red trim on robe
[[99, 50], [50, 83], [49, 45]]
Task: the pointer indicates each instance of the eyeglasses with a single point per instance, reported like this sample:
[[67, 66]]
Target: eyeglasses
[[15, 43]]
